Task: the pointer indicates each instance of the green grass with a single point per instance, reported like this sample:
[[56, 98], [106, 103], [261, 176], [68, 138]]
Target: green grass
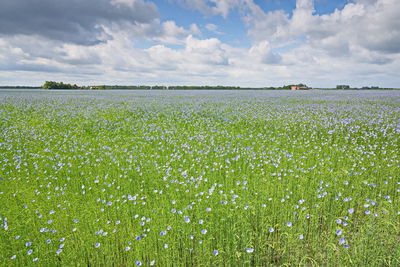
[[115, 170]]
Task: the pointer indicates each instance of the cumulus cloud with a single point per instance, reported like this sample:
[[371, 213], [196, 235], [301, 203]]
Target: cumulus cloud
[[73, 21], [262, 53], [359, 42], [365, 24]]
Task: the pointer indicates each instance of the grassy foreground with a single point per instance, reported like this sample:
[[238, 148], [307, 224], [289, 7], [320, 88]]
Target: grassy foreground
[[172, 181]]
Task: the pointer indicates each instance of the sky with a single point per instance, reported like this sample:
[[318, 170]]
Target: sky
[[254, 43]]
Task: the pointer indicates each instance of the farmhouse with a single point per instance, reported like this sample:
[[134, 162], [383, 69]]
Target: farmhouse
[[296, 87]]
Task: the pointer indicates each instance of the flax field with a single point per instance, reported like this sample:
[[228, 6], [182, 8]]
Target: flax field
[[199, 178]]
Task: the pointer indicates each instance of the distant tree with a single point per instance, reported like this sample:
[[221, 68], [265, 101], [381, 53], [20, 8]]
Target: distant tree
[[59, 85]]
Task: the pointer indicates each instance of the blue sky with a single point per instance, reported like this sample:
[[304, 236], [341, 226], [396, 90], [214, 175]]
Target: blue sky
[[208, 42], [231, 28]]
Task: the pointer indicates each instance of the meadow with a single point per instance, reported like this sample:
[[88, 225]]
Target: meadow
[[191, 178]]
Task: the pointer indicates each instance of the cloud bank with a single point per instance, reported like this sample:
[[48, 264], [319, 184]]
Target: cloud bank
[[101, 41]]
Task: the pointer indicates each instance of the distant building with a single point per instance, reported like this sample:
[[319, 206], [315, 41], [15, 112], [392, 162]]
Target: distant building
[[296, 87], [342, 86]]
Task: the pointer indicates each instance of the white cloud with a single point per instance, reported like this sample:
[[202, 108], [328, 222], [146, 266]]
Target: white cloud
[[262, 53], [357, 45]]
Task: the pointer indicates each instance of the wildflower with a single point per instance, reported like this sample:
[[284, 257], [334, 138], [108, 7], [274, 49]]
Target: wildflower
[[187, 219], [204, 231], [138, 263], [301, 237], [351, 211], [271, 230], [249, 250], [342, 240], [127, 248], [215, 252], [30, 252], [97, 245], [152, 263], [339, 232], [13, 257], [289, 224], [59, 251]]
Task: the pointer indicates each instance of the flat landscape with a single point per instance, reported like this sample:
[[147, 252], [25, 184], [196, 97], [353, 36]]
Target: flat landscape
[[199, 178]]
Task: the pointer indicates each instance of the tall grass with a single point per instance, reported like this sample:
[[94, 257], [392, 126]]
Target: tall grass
[[158, 179]]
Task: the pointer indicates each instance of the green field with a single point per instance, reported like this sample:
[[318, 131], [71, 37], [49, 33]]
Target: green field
[[199, 178]]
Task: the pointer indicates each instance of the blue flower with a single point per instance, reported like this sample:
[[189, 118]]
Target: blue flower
[[215, 252], [351, 211], [249, 250]]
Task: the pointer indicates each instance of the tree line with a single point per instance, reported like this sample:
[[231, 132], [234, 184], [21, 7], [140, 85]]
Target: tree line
[[61, 85]]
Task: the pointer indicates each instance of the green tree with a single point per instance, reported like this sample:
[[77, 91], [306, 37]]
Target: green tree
[[59, 85]]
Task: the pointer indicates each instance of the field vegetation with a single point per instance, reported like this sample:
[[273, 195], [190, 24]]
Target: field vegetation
[[199, 179]]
